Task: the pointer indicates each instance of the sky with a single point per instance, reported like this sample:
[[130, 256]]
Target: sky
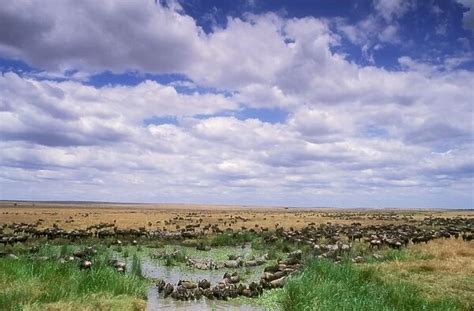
[[289, 103]]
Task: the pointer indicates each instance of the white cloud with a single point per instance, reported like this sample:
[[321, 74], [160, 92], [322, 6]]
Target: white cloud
[[389, 34], [441, 29], [392, 9], [69, 113], [468, 16], [354, 135], [378, 28], [92, 36]]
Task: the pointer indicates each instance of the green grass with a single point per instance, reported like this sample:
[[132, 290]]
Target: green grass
[[218, 254], [65, 250], [388, 254], [232, 239], [274, 250], [172, 258], [91, 302], [270, 299], [28, 281], [323, 285], [137, 267]]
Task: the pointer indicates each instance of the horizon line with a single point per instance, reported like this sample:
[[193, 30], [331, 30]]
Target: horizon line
[[66, 202]]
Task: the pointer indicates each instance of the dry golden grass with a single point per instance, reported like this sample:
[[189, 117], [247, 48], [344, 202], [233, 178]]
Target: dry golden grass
[[139, 215], [441, 268]]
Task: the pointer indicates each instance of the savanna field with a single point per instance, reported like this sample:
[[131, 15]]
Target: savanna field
[[239, 155], [71, 256]]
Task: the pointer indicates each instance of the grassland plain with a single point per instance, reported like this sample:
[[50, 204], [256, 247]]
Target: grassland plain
[[438, 275], [81, 215]]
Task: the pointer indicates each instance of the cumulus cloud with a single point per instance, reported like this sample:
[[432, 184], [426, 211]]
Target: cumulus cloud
[[352, 134], [93, 36], [70, 114]]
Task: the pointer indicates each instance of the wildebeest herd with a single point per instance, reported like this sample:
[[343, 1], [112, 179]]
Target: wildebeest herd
[[329, 240], [230, 286]]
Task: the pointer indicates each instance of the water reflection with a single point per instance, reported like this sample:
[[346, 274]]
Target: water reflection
[[154, 269], [157, 302]]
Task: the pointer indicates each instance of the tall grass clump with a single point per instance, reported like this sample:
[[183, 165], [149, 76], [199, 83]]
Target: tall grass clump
[[136, 266], [174, 258], [26, 281], [65, 250], [324, 285]]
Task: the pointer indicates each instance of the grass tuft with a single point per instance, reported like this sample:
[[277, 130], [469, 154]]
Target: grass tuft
[[137, 266], [28, 281], [324, 285]]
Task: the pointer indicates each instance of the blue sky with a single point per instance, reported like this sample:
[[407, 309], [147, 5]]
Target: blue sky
[[295, 103]]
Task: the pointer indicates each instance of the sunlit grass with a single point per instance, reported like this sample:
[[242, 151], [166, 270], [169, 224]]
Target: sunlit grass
[[92, 302], [324, 285], [447, 270], [29, 282]]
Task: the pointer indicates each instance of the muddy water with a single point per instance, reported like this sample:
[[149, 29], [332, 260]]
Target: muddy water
[[155, 301], [154, 269]]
